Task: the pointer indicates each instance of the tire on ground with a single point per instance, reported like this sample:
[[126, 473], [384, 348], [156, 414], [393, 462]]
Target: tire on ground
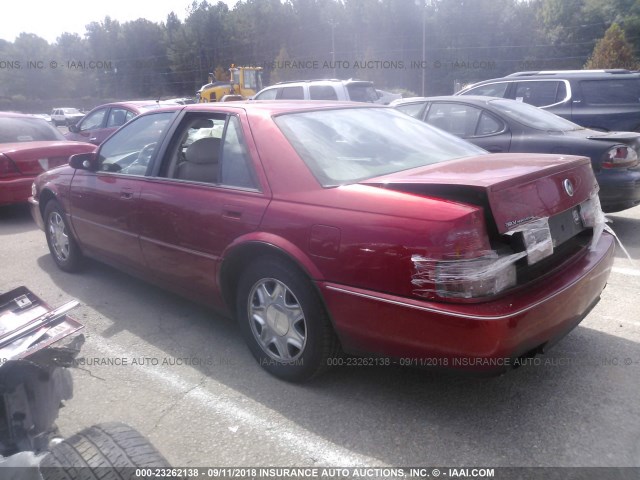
[[73, 259], [321, 342], [107, 451]]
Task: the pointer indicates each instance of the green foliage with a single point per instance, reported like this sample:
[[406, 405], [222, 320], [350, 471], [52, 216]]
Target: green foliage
[[613, 51], [464, 41]]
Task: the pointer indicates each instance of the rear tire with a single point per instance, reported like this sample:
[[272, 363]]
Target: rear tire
[[63, 247], [284, 321], [108, 451]]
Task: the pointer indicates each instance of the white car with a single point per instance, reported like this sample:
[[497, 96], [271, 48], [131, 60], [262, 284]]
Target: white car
[[66, 116], [339, 90]]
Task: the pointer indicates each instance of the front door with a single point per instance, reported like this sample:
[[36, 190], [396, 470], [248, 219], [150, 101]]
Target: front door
[[105, 205]]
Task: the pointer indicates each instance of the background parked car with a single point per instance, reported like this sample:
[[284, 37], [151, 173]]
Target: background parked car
[[66, 116], [28, 147], [102, 121], [597, 99], [385, 98], [339, 90], [317, 224], [501, 125], [44, 116]]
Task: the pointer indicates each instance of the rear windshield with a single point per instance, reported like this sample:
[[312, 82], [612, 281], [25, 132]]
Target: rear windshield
[[533, 117], [350, 145], [611, 92], [15, 129], [362, 92]]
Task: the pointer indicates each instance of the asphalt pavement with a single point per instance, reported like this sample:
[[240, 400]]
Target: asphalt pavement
[[183, 376]]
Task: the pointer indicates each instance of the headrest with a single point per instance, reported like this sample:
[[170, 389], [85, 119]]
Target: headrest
[[204, 150]]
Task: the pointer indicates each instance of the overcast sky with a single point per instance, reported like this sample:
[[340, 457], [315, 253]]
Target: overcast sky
[[48, 19]]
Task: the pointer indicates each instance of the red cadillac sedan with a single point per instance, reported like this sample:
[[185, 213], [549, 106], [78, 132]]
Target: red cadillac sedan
[[331, 228], [28, 147]]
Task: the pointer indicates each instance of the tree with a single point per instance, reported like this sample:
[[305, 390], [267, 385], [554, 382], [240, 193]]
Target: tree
[[613, 51]]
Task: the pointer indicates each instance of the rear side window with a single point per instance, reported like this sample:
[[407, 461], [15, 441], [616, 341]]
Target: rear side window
[[611, 92], [414, 110], [268, 94], [540, 94], [362, 93], [292, 93], [460, 120], [322, 92], [488, 125], [491, 90]]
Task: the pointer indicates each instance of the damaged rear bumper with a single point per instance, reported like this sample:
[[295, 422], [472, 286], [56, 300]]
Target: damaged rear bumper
[[477, 336]]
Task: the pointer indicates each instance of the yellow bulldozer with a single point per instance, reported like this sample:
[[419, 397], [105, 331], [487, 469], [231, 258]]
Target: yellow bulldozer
[[243, 83]]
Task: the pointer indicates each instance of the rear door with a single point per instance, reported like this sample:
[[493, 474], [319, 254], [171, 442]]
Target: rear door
[[472, 123], [205, 194], [608, 104]]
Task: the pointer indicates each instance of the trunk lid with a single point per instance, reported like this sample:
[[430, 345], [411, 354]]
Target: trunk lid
[[33, 158], [516, 188]]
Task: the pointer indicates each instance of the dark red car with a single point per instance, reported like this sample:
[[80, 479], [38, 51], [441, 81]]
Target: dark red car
[[28, 147], [102, 121], [324, 227]]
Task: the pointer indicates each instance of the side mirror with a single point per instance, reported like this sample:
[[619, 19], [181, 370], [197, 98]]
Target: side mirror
[[84, 161], [74, 128]]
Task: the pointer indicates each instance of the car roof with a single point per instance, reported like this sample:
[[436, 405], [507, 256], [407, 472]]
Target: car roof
[[575, 73], [267, 107], [324, 80], [277, 106], [559, 75], [479, 99], [15, 115]]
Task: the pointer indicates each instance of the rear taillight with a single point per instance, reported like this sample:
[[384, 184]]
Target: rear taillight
[[479, 277], [620, 156], [489, 273], [8, 169]]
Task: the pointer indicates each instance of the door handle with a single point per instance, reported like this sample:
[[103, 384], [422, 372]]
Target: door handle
[[126, 194], [232, 213], [93, 140]]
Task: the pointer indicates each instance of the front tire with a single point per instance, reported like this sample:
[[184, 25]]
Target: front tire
[[62, 245], [284, 321]]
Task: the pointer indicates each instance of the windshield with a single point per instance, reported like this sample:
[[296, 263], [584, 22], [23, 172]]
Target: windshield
[[71, 111], [152, 106], [350, 145], [533, 117], [16, 129]]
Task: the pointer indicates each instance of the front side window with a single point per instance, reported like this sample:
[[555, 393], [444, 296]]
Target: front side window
[[94, 120], [130, 149], [342, 146]]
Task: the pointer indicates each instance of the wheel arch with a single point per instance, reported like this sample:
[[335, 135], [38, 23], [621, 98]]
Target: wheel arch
[[241, 254], [46, 195]]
